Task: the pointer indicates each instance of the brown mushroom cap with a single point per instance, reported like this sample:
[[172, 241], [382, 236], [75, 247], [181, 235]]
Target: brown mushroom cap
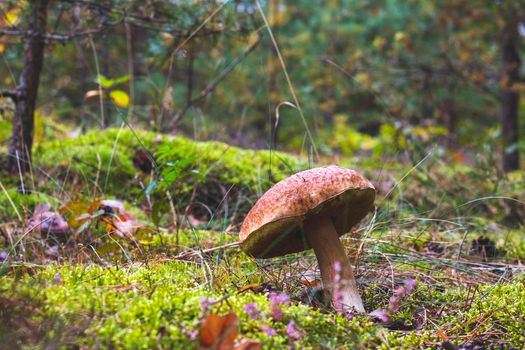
[[273, 227]]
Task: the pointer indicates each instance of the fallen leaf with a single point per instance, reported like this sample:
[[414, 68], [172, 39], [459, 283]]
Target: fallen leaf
[[381, 314], [143, 161], [248, 344], [252, 286], [112, 203], [79, 212], [219, 332], [93, 93], [48, 223], [442, 335]]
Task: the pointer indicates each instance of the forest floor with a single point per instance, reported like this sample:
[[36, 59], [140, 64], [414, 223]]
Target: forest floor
[[149, 256]]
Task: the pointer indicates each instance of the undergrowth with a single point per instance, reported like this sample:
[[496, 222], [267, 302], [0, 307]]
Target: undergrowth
[[456, 230]]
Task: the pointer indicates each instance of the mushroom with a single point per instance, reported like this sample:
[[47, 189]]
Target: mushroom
[[312, 209]]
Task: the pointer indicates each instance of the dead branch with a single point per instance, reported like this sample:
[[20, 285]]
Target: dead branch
[[13, 95]]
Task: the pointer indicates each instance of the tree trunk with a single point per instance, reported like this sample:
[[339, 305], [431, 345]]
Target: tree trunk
[[450, 119], [19, 156], [509, 95]]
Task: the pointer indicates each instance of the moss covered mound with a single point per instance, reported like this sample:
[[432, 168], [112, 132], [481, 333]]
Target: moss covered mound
[[107, 157]]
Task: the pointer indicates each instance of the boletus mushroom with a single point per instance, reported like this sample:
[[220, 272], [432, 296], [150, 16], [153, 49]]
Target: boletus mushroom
[[312, 209]]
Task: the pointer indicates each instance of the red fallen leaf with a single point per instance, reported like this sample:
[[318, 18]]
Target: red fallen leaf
[[457, 156], [107, 211], [219, 332]]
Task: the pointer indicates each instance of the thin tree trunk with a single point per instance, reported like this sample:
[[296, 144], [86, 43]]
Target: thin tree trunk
[[104, 70], [450, 116], [509, 95], [21, 142]]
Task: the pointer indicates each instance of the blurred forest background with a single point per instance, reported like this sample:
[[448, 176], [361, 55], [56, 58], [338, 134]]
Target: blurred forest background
[[120, 211], [367, 78]]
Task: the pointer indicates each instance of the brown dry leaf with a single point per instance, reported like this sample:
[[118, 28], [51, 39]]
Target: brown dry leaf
[[310, 282], [248, 344], [93, 93], [252, 287], [48, 222], [442, 335], [219, 332]]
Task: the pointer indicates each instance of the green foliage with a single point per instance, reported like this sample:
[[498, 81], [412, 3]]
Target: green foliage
[[14, 203], [391, 139]]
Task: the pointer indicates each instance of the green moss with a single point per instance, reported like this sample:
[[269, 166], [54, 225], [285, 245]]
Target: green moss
[[5, 131], [141, 307], [101, 161], [14, 203], [144, 305]]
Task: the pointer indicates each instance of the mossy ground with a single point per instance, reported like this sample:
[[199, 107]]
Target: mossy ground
[[146, 292]]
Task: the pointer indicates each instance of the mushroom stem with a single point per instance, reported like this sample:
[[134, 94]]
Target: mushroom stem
[[323, 238]]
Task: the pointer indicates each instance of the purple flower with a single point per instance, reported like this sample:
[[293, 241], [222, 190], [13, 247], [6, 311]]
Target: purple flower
[[279, 298], [269, 331], [293, 331], [3, 256], [410, 286], [400, 292], [252, 310], [192, 334], [205, 304], [393, 306], [338, 297], [57, 278], [381, 314], [337, 266], [276, 313]]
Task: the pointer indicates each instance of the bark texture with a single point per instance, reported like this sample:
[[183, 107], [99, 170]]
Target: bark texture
[[509, 95], [19, 156]]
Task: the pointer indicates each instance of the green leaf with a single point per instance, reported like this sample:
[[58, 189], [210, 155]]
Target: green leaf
[[106, 83], [157, 211], [121, 80], [151, 187]]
